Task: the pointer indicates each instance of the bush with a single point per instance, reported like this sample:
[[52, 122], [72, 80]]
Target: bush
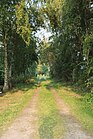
[[89, 98], [89, 83]]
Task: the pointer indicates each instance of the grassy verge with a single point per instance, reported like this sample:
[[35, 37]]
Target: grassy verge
[[12, 103], [81, 105], [51, 124]]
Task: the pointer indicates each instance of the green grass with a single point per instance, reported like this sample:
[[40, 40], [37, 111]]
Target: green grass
[[51, 124], [81, 107], [12, 103]]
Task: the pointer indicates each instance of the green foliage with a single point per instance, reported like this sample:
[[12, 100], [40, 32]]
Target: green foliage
[[22, 22], [88, 53], [53, 10], [18, 23], [26, 76], [42, 69], [70, 51], [87, 46], [89, 82], [72, 44], [88, 98]]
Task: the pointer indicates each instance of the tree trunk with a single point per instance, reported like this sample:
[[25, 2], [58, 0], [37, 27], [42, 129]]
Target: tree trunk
[[10, 76], [6, 85], [73, 75]]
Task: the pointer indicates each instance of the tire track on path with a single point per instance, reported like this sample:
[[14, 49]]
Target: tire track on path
[[72, 127], [26, 125]]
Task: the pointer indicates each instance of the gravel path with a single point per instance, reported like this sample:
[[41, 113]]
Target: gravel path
[[73, 128], [26, 125]]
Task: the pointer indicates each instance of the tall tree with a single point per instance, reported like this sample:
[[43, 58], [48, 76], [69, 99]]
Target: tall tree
[[19, 20], [6, 25], [72, 45]]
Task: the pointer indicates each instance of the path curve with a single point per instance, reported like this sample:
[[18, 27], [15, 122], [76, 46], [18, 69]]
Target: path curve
[[73, 128], [25, 126]]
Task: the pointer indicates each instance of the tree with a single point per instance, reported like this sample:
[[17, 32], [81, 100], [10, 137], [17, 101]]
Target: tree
[[18, 24], [6, 24], [72, 41]]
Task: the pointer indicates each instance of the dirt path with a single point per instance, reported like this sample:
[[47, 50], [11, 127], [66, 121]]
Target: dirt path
[[26, 125], [73, 128]]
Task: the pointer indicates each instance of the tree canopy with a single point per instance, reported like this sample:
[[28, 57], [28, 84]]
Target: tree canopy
[[69, 52]]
